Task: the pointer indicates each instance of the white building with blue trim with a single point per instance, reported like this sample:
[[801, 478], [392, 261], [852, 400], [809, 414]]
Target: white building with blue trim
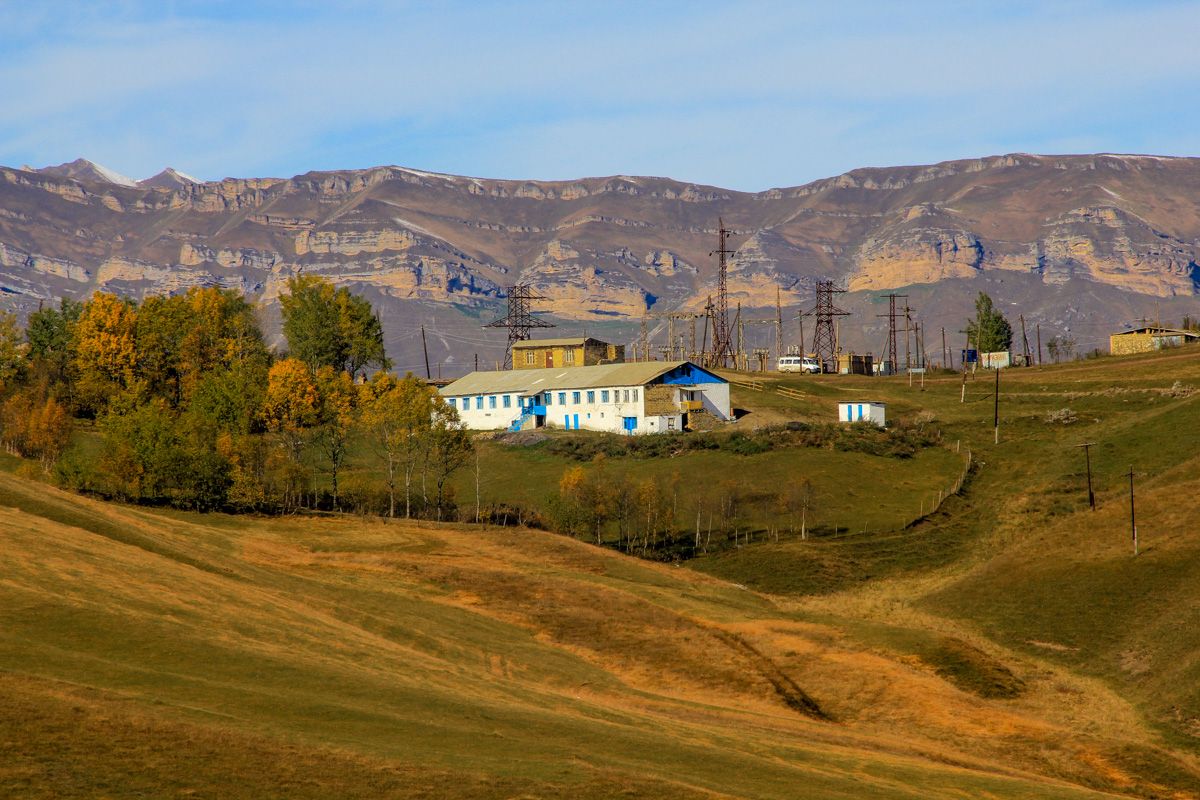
[[630, 398]]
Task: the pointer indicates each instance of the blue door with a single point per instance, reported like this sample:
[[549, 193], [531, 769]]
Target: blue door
[[576, 421], [567, 421]]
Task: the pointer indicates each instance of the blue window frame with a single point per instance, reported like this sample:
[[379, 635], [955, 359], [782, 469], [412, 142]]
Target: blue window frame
[[508, 401], [491, 401], [575, 398], [450, 402], [591, 397], [562, 398], [604, 395], [479, 402]]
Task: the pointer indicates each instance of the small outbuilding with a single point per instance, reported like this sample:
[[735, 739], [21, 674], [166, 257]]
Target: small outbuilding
[[863, 412], [580, 351]]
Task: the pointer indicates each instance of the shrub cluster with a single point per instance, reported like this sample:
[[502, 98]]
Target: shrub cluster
[[896, 441]]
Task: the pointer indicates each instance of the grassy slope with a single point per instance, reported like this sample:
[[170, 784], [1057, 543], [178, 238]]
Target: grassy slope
[[1019, 562], [153, 654]]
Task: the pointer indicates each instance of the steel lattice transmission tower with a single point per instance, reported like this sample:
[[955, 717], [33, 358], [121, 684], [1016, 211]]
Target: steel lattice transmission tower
[[890, 355], [519, 320], [722, 339], [824, 340]]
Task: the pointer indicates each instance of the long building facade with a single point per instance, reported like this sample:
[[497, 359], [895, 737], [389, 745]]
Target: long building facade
[[637, 398]]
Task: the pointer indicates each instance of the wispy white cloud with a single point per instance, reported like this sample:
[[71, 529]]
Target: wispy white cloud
[[745, 95]]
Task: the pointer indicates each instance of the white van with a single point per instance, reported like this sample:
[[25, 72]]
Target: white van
[[799, 364]]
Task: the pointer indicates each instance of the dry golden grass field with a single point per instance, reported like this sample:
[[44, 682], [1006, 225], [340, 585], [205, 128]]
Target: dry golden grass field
[[1009, 646]]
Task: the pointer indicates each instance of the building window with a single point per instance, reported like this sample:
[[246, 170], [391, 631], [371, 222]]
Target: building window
[[547, 399], [508, 401], [491, 401], [626, 395], [604, 395], [562, 398], [568, 357], [575, 398], [450, 402], [635, 395], [479, 402], [591, 397], [670, 423], [529, 356]]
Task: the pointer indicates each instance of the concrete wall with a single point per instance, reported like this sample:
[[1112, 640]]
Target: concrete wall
[[1124, 344]]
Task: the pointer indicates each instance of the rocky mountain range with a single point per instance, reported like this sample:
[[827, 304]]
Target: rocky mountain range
[[1078, 245]]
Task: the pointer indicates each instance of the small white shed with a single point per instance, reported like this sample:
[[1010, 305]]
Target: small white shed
[[863, 412]]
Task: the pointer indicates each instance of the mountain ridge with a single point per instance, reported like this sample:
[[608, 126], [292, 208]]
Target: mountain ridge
[[606, 250]]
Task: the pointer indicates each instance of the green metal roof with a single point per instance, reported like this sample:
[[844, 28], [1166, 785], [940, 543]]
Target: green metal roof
[[532, 381]]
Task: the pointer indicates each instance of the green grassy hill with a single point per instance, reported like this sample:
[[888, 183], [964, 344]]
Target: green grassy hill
[[1019, 558], [1008, 646]]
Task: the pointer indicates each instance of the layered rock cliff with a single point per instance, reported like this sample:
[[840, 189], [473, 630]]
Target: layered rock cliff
[[605, 249]]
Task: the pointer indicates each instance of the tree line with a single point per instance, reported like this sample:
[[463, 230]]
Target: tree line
[[185, 404]]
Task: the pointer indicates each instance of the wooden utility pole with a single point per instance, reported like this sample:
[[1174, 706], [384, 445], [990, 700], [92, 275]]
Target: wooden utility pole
[[1132, 517], [1087, 456], [907, 319], [778, 326], [477, 362], [741, 356], [996, 407], [425, 348], [1039, 338], [1025, 341], [947, 361]]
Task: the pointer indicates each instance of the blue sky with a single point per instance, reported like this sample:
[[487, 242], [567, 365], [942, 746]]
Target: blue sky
[[742, 95]]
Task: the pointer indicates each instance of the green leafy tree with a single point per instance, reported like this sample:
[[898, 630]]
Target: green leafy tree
[[361, 333], [331, 328], [12, 350], [989, 331], [49, 332], [162, 323]]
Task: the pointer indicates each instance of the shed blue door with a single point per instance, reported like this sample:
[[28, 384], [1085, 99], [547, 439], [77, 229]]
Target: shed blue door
[[567, 421], [630, 424], [576, 421], [860, 414]]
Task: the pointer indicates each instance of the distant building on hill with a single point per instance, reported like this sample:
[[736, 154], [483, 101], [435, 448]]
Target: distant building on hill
[[643, 397], [864, 411], [576, 352], [855, 364], [1147, 339]]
